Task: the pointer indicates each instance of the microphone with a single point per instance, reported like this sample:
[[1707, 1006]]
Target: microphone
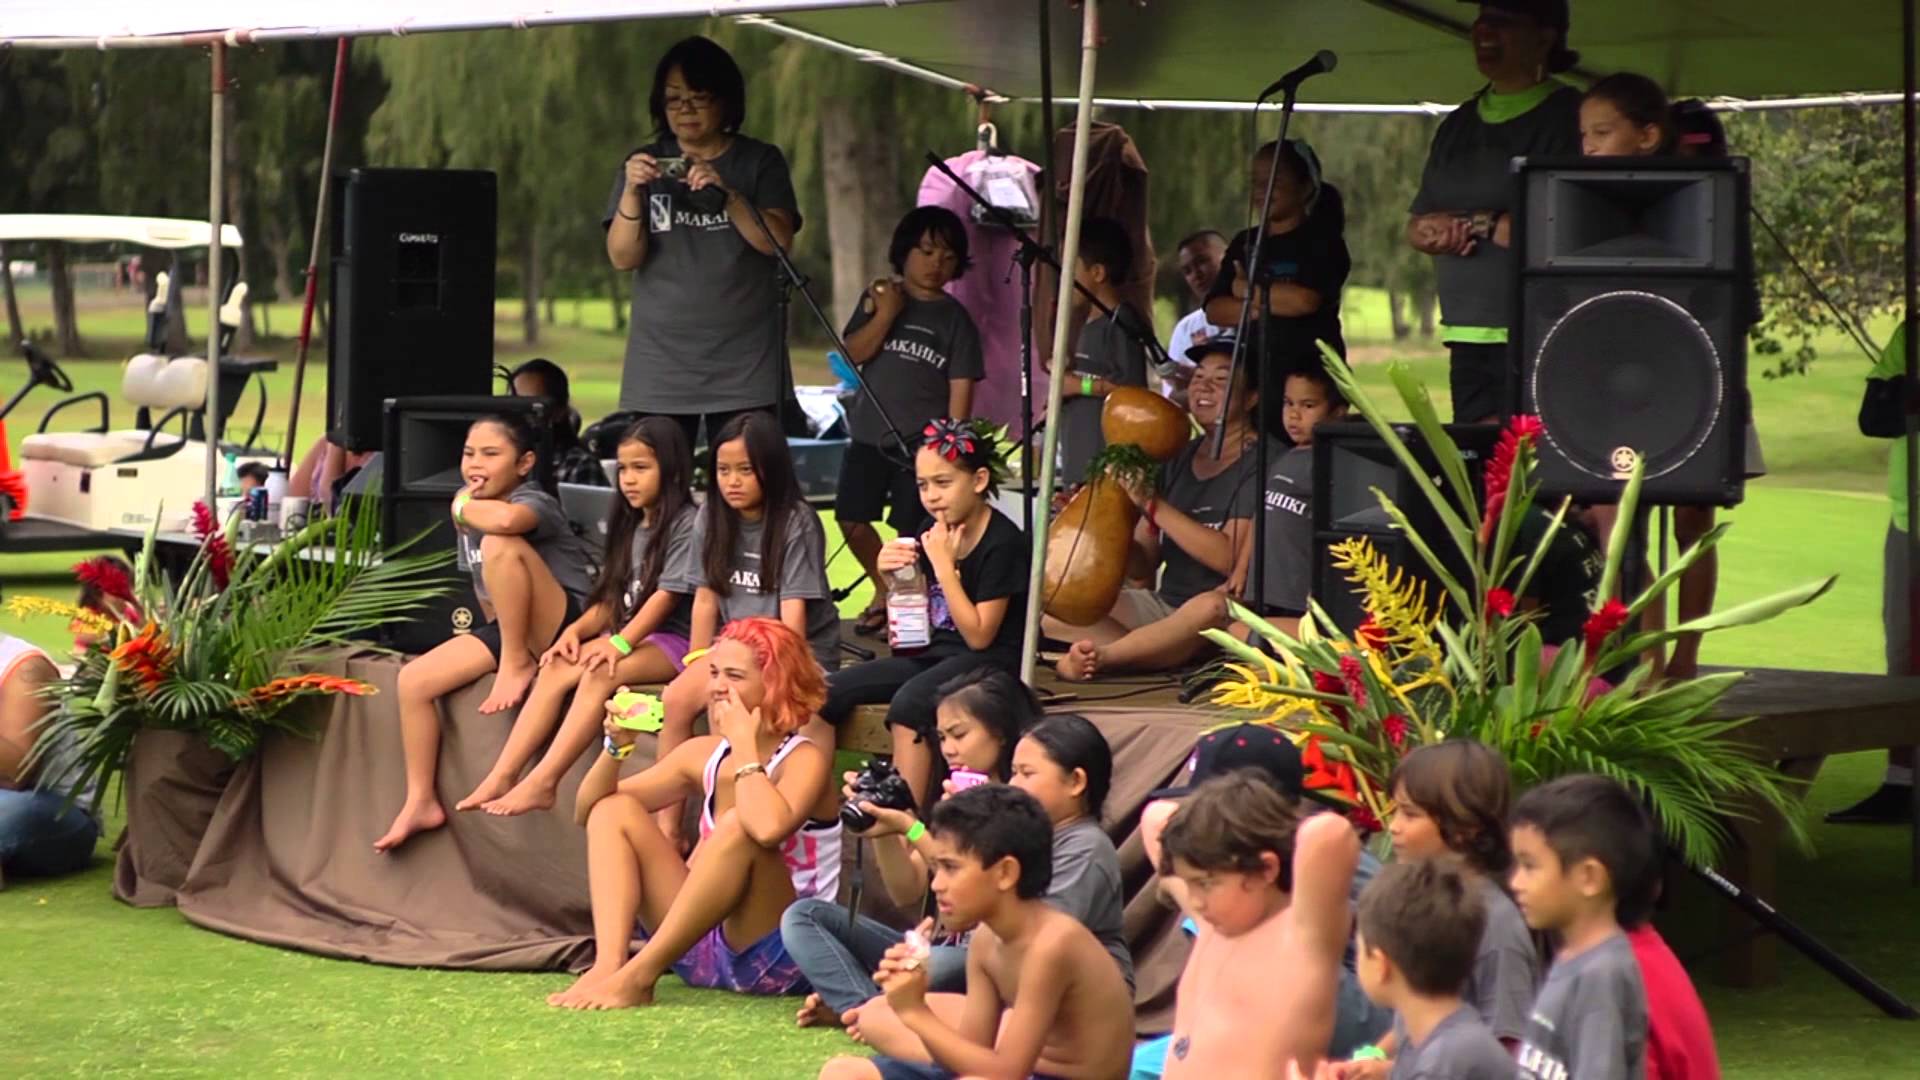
[[1322, 62]]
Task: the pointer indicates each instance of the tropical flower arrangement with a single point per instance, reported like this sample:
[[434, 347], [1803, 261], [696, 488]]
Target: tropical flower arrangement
[[226, 649], [1471, 661]]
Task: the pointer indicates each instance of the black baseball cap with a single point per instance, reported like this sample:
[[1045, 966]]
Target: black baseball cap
[[1243, 746], [1221, 342], [1549, 13]]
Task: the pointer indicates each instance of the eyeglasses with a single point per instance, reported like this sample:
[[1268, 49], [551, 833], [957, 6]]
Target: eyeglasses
[[690, 103]]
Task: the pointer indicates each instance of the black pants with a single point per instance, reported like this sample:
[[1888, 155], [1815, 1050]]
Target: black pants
[[910, 685], [1481, 381], [690, 422]]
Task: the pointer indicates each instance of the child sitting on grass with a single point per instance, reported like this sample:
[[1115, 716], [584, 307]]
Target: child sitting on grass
[[1584, 863], [1043, 997], [1268, 889]]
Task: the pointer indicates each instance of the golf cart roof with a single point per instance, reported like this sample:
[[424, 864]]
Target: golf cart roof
[[153, 232]]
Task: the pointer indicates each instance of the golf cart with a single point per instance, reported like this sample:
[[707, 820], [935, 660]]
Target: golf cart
[[98, 486]]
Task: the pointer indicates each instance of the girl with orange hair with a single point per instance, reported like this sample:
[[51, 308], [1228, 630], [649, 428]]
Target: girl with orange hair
[[769, 832]]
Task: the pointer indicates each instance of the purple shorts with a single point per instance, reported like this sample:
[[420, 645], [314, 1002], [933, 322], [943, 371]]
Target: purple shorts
[[762, 968], [675, 646]]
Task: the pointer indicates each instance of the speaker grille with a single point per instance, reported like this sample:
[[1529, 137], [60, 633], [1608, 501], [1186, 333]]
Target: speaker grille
[[1627, 372]]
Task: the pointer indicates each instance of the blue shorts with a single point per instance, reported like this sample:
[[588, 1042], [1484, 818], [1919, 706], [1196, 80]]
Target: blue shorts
[[762, 968], [895, 1069]]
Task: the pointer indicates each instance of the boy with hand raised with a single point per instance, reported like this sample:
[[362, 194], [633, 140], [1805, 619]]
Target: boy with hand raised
[[1043, 999], [1584, 867]]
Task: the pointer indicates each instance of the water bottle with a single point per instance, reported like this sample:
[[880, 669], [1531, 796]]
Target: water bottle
[[909, 607]]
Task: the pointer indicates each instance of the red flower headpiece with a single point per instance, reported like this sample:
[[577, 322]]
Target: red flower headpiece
[[949, 438]]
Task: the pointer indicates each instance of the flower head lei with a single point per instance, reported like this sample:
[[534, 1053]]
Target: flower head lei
[[972, 439], [950, 438]]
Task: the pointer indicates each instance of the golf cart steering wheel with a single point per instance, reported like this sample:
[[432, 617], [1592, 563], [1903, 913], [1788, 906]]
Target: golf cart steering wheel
[[44, 369]]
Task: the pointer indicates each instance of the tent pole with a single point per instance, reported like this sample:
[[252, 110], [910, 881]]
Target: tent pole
[[1910, 216], [216, 263], [292, 453], [1062, 313]]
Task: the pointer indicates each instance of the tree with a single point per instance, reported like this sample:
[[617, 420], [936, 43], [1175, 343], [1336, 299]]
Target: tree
[[48, 161]]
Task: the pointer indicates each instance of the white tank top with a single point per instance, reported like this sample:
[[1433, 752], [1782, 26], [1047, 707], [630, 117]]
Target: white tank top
[[812, 853], [14, 654]]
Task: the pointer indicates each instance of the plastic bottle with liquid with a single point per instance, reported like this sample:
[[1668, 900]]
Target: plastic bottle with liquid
[[909, 607]]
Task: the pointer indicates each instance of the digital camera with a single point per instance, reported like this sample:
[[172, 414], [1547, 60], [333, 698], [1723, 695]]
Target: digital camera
[[673, 168], [880, 784]]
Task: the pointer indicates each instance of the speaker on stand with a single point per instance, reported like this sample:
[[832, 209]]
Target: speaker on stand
[[411, 293]]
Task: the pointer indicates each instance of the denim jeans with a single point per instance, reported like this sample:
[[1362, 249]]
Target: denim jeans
[[838, 955], [38, 839]]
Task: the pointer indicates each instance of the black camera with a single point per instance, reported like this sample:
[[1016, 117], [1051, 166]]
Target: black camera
[[880, 784]]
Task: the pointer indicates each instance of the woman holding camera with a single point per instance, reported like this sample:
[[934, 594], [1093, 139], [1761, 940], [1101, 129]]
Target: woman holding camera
[[705, 337]]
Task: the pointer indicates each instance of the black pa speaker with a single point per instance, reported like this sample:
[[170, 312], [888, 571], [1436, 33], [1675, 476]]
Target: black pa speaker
[[1350, 460], [424, 437], [1634, 285], [411, 293]]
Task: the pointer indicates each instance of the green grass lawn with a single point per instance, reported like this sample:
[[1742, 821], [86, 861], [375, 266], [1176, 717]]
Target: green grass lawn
[[93, 987]]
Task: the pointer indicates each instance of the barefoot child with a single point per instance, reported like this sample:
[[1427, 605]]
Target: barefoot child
[[768, 833], [761, 553], [634, 630], [975, 561], [531, 575], [1584, 867], [1268, 890], [919, 352], [980, 717], [1042, 996]]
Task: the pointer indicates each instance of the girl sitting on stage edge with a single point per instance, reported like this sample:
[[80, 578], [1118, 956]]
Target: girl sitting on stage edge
[[769, 833]]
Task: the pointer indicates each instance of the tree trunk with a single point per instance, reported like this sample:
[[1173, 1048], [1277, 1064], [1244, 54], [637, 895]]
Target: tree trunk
[[1423, 303], [552, 318], [66, 329], [530, 287], [1396, 313], [856, 149], [619, 297], [16, 330]]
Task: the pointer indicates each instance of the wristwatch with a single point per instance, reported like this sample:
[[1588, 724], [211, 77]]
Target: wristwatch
[[615, 750], [1483, 223]]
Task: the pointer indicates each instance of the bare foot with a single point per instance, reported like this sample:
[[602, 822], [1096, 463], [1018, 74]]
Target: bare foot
[[411, 819], [851, 1021], [607, 993], [510, 686], [588, 978], [1080, 662], [816, 1013], [527, 796], [490, 789]]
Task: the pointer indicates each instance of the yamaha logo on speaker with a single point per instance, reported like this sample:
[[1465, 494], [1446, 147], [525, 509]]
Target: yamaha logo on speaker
[[1622, 459], [463, 620]]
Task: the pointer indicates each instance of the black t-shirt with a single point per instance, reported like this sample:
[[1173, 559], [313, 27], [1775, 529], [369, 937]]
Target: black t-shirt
[[996, 567], [1312, 256], [1568, 576]]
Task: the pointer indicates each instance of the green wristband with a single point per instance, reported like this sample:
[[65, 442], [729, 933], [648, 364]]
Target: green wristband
[[460, 502], [917, 830], [1369, 1053], [1086, 386], [620, 645]]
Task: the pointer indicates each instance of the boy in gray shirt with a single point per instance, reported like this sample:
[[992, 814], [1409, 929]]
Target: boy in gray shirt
[[1584, 867], [1419, 928]]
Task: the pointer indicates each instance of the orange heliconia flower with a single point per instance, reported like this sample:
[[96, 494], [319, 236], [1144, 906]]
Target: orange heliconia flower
[[146, 656], [304, 684]]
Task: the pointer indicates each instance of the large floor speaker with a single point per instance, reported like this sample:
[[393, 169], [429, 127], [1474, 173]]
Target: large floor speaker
[[1630, 337], [1351, 460], [424, 436], [411, 293]]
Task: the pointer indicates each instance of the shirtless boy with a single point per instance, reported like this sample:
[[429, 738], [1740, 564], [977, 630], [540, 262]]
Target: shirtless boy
[[1268, 890], [1044, 999]]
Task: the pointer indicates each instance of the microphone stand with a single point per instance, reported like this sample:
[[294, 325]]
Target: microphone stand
[[799, 283], [1032, 251]]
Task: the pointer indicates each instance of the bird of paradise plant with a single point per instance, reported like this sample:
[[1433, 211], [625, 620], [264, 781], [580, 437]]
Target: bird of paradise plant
[[1471, 661], [224, 650]]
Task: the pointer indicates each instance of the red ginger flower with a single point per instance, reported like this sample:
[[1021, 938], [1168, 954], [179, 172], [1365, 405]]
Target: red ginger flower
[[106, 574], [1350, 671], [1521, 430], [1327, 684], [1601, 624], [1395, 726], [1499, 602], [1364, 820], [207, 528]]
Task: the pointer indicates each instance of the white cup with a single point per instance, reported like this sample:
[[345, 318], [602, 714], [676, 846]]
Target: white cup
[[293, 513]]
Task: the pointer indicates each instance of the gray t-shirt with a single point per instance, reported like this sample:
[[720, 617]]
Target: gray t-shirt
[[1086, 885], [1590, 1021], [1105, 350], [803, 575], [1211, 502], [1289, 559], [569, 557], [1467, 170], [1459, 1048], [705, 333], [930, 344], [1506, 971], [679, 572]]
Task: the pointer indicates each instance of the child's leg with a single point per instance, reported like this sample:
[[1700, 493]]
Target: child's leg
[[423, 681], [880, 682], [733, 883], [850, 1068], [838, 953], [646, 665], [1156, 646], [880, 1026], [530, 606], [632, 872], [1697, 586], [530, 728]]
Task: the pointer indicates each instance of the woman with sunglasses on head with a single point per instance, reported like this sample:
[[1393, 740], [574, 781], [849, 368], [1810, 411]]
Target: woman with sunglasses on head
[[704, 340]]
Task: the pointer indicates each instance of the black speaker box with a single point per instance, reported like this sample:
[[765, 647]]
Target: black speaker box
[[1350, 460], [1629, 340], [411, 293], [424, 437]]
